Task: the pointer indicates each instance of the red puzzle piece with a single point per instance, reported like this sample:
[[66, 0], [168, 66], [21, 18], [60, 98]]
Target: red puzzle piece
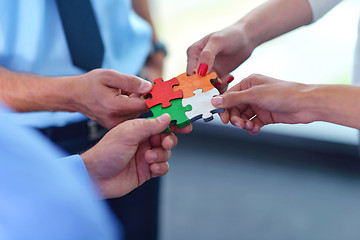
[[162, 92]]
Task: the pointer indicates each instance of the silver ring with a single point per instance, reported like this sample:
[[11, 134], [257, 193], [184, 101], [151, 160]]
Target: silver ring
[[253, 117]]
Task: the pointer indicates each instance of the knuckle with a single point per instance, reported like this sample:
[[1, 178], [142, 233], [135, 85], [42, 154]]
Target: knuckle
[[207, 55], [193, 49], [132, 82], [216, 39], [254, 76], [104, 74], [190, 50]]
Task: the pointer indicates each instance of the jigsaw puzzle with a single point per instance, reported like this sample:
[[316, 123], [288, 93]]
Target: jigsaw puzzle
[[176, 112], [162, 92], [188, 84], [184, 98], [201, 105]]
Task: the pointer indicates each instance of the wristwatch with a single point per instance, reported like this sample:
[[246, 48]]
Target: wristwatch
[[158, 46]]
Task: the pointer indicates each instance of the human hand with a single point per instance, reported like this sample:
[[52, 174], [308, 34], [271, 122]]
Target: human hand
[[109, 97], [153, 67], [259, 100], [129, 155], [222, 52]]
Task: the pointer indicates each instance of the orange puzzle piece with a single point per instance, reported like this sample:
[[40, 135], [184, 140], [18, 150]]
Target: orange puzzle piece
[[188, 84]]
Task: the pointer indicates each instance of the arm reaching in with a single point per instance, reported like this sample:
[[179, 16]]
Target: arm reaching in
[[105, 96], [274, 101], [225, 50], [154, 65], [130, 154]]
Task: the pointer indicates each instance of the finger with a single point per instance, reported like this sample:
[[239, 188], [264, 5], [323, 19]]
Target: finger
[[249, 125], [221, 86], [128, 83], [223, 83], [155, 141], [229, 78], [159, 169], [236, 87], [247, 113], [193, 53], [184, 130], [138, 130], [169, 141], [193, 56], [126, 105], [235, 118], [165, 140], [254, 130], [232, 99], [208, 54], [225, 116], [157, 155]]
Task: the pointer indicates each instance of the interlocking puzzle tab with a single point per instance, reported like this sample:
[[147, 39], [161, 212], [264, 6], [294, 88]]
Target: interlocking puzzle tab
[[185, 98], [201, 105], [176, 112], [188, 84], [162, 92]]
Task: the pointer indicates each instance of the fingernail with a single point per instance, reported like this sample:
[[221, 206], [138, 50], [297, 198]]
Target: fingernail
[[231, 78], [217, 84], [171, 144], [145, 86], [216, 101], [237, 124], [203, 68], [164, 117]]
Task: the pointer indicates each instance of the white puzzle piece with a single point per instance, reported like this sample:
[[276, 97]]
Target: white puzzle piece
[[201, 105]]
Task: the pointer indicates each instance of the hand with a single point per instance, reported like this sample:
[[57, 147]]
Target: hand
[[153, 67], [222, 52], [129, 155], [109, 97], [269, 100]]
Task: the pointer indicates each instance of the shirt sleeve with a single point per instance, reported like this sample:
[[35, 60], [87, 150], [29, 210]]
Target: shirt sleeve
[[44, 196], [321, 7], [77, 165]]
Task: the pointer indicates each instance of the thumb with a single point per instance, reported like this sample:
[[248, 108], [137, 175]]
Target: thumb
[[232, 99], [142, 129], [128, 83]]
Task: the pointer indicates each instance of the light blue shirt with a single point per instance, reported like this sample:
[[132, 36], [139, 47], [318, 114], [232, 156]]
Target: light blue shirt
[[32, 40], [43, 197]]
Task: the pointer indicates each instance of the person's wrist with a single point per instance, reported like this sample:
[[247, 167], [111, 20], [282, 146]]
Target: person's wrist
[[158, 47], [249, 32], [314, 102], [72, 88], [57, 94]]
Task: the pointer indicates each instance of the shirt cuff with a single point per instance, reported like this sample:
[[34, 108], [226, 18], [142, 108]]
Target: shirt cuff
[[321, 7], [77, 165]]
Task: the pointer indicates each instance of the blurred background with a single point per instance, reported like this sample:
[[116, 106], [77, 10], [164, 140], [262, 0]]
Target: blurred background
[[289, 181]]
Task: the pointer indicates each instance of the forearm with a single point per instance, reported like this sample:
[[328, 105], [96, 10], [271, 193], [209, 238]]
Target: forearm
[[142, 8], [274, 18], [337, 104], [27, 92]]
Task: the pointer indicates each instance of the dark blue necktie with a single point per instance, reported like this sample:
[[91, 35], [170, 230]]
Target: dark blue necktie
[[82, 33]]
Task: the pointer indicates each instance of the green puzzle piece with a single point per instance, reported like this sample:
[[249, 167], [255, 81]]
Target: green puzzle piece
[[176, 112]]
